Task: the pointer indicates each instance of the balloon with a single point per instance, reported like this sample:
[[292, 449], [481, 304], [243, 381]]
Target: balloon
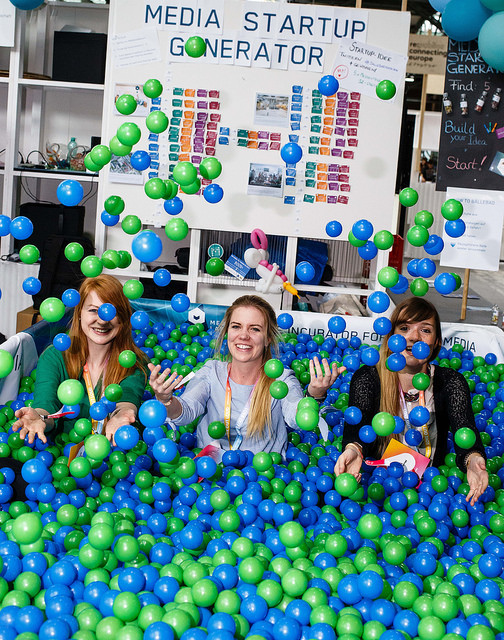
[[131, 224], [162, 277], [140, 160], [128, 133], [31, 285], [185, 173], [291, 153], [455, 228], [383, 240], [91, 266], [6, 363], [100, 154], [177, 229], [21, 228], [328, 85], [156, 122], [70, 193], [195, 47], [452, 209], [385, 89], [52, 309], [70, 392], [29, 254], [155, 188], [74, 252], [215, 267], [378, 302], [362, 229], [147, 246], [210, 168], [126, 104], [213, 193], [463, 19], [107, 311], [27, 4], [438, 5], [152, 88], [114, 205], [108, 219], [305, 271], [133, 289], [180, 302], [173, 206], [408, 197], [333, 228]]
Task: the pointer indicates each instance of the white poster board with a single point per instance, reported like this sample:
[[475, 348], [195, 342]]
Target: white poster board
[[480, 246], [259, 56], [7, 23]]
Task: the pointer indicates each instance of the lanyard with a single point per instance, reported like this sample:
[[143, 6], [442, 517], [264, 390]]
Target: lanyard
[[424, 427], [97, 424], [241, 418]]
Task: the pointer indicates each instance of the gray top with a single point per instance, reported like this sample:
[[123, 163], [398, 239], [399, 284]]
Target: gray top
[[205, 397]]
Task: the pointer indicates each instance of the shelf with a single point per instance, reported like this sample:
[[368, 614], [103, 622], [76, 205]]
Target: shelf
[[59, 84], [55, 175], [127, 273], [76, 5], [4, 79], [230, 281]]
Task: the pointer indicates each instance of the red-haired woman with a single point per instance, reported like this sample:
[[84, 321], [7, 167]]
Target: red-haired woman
[[92, 359]]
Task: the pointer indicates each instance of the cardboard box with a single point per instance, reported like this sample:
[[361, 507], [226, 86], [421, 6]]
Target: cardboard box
[[26, 318]]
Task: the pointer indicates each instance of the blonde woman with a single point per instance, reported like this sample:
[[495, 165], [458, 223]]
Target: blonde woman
[[236, 391]]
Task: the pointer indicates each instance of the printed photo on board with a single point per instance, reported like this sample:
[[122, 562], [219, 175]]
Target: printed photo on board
[[272, 109], [265, 180]]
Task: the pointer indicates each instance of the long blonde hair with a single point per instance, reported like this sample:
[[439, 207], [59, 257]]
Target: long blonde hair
[[260, 403], [108, 289], [410, 310]]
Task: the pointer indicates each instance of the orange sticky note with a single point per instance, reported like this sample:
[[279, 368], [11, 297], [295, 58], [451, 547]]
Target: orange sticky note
[[189, 104], [330, 102], [252, 144], [325, 142], [185, 139], [324, 151], [189, 115], [187, 123], [321, 197], [327, 131], [322, 186], [322, 166], [322, 176], [329, 111], [328, 120], [184, 157], [190, 93], [252, 135]]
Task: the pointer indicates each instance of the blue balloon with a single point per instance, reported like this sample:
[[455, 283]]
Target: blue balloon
[[108, 219], [21, 228], [438, 5], [401, 286], [180, 302], [4, 225], [173, 206], [147, 246], [291, 153], [62, 341], [490, 41], [126, 437], [397, 343], [107, 311], [455, 228], [334, 228], [382, 326], [162, 277], [140, 160], [336, 324], [328, 85], [70, 193], [434, 245], [378, 302], [213, 193], [152, 413], [31, 285], [368, 251], [26, 5], [445, 283], [285, 321], [70, 297], [463, 19], [362, 229], [305, 271]]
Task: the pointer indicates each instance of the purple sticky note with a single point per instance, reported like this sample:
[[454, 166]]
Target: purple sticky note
[[336, 153], [202, 93], [263, 135], [202, 104], [332, 199], [340, 112], [499, 132], [339, 131], [263, 145], [333, 186]]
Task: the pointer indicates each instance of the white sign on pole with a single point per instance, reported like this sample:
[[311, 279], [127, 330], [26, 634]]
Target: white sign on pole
[[360, 66], [7, 23], [479, 247]]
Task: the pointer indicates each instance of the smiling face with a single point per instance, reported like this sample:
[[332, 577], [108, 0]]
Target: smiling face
[[96, 330], [422, 331], [247, 335]]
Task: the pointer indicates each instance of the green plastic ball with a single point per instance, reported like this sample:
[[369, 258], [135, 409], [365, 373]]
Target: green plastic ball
[[185, 173], [29, 254], [383, 424], [273, 368], [192, 188], [129, 133], [157, 122], [52, 309], [210, 168], [452, 209], [278, 389], [6, 363], [133, 289], [27, 528], [155, 188], [465, 438], [114, 205], [113, 392], [70, 392], [195, 47], [74, 252], [417, 235], [118, 148], [152, 88], [388, 277], [215, 266], [131, 224], [97, 447], [419, 287], [100, 154], [176, 229], [383, 240], [424, 218], [110, 259], [127, 358], [91, 266], [346, 484], [408, 197], [307, 419], [216, 430], [126, 104], [386, 90]]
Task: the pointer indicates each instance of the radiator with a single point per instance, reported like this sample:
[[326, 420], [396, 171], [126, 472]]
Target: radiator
[[13, 298]]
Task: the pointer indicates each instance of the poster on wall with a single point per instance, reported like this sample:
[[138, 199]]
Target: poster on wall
[[7, 23], [471, 143]]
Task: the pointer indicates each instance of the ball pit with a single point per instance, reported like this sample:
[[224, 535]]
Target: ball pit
[[147, 540]]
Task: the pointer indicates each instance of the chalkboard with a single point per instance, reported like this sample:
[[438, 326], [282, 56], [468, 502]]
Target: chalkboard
[[354, 179], [471, 145]]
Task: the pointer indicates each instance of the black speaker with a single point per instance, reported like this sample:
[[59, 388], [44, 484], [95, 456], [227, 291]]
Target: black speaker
[[79, 57], [50, 219]]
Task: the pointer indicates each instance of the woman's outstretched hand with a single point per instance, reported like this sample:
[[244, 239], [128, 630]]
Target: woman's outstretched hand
[[163, 384], [322, 377], [477, 477], [29, 423], [349, 462]]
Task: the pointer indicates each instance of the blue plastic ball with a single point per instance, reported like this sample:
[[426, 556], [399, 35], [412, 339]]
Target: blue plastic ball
[[31, 285], [140, 160], [162, 277], [70, 298], [401, 286], [70, 193], [328, 85], [285, 321], [127, 437], [334, 228], [21, 228], [420, 350], [291, 153], [419, 416], [362, 229], [62, 341], [147, 246], [378, 302], [368, 251], [397, 343], [152, 413], [382, 326], [173, 206], [108, 219], [180, 302], [106, 311], [445, 283], [336, 324], [305, 271], [434, 245], [213, 193], [413, 438]]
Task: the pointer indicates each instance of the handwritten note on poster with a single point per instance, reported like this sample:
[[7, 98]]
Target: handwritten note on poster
[[360, 67]]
